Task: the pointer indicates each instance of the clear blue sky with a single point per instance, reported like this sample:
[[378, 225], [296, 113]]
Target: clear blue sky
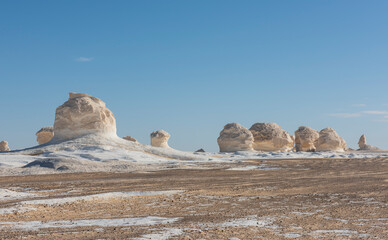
[[190, 67]]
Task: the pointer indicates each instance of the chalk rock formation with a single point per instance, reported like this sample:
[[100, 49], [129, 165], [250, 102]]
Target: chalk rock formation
[[329, 140], [4, 146], [83, 114], [129, 138], [160, 139], [305, 139], [44, 135], [271, 137], [235, 137], [363, 146]]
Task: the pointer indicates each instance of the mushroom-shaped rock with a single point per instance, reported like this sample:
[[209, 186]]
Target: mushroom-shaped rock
[[129, 138], [44, 135], [4, 146], [329, 140], [83, 114], [160, 139], [363, 146], [306, 139], [235, 137], [271, 137]]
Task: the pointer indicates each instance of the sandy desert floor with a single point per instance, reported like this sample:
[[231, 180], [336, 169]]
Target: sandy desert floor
[[259, 199]]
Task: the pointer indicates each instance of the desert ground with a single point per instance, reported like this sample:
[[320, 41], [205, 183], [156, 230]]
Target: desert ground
[[257, 199]]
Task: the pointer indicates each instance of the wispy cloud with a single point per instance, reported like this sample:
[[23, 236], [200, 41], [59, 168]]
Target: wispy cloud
[[84, 59], [376, 112], [359, 105], [381, 120], [345, 115]]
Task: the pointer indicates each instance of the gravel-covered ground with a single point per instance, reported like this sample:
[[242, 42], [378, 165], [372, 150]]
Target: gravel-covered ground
[[261, 199]]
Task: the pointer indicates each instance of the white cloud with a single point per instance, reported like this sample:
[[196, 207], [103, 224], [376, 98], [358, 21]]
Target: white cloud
[[376, 112], [381, 120], [359, 105], [84, 59], [345, 115], [385, 116]]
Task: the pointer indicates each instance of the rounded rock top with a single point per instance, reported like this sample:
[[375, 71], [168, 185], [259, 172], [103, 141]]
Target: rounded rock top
[[83, 114]]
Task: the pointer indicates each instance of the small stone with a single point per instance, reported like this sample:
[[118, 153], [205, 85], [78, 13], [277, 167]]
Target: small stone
[[129, 138]]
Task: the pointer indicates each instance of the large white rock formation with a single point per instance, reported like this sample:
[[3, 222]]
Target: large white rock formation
[[271, 137], [363, 146], [160, 139], [235, 137], [83, 114], [44, 135], [305, 139], [329, 140], [4, 146]]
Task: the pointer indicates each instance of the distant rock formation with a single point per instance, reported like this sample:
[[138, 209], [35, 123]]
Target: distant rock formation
[[271, 137], [4, 146], [44, 135], [366, 147], [83, 114], [235, 137], [160, 139], [329, 140], [129, 138], [200, 150], [305, 139]]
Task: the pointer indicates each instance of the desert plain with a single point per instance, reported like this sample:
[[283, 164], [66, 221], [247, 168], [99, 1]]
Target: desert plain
[[322, 198]]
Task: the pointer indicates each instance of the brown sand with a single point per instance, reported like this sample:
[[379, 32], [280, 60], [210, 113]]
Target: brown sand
[[281, 199]]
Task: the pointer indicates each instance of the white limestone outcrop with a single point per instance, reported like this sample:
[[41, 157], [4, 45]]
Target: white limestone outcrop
[[44, 135], [160, 139], [366, 147], [305, 139], [83, 114], [235, 137], [271, 137], [329, 140], [4, 146]]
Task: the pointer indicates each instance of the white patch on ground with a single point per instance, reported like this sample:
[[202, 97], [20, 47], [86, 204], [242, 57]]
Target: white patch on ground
[[304, 213], [116, 222], [345, 232], [249, 221], [17, 209], [100, 196], [6, 195], [15, 161], [165, 234], [245, 168], [291, 235]]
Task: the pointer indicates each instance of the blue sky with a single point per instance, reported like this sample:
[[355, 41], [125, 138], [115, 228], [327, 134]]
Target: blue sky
[[190, 67]]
